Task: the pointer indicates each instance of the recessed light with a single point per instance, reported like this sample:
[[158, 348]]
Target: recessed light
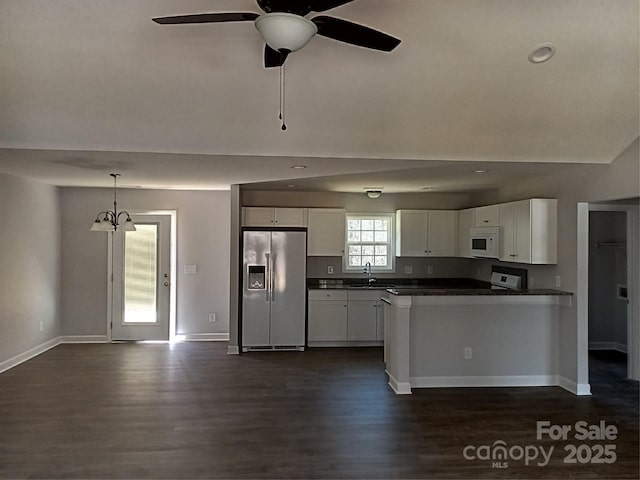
[[542, 53], [480, 171], [298, 167], [291, 186]]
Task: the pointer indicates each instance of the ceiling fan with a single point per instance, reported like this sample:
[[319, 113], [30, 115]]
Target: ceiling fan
[[286, 30]]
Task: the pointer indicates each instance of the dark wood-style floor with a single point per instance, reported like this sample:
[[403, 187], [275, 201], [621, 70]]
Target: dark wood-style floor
[[191, 411]]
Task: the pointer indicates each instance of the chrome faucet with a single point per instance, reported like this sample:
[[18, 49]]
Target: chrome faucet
[[367, 270]]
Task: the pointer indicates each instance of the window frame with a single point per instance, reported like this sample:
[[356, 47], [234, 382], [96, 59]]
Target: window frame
[[391, 262]]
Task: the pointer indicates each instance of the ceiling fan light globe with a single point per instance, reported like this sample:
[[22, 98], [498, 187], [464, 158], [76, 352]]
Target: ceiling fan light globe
[[285, 31]]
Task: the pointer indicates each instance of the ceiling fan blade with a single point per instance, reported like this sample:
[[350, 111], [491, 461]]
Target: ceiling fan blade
[[354, 34], [324, 5], [207, 18], [274, 58]]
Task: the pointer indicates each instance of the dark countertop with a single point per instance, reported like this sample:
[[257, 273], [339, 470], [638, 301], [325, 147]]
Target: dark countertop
[[424, 286], [401, 291], [386, 283]]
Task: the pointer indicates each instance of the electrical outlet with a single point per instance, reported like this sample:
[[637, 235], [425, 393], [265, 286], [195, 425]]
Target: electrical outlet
[[429, 269], [468, 353], [212, 317], [558, 282], [41, 325], [408, 269], [532, 281], [330, 269]]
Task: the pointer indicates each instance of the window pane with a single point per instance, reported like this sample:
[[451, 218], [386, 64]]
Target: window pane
[[369, 239], [367, 224], [381, 224], [355, 261], [381, 261], [381, 236], [367, 236], [140, 274]]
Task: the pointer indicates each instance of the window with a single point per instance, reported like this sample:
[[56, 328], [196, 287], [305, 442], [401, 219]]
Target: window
[[369, 239]]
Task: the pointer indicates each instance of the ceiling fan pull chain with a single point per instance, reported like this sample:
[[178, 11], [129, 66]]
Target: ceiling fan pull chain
[[282, 96], [280, 86]]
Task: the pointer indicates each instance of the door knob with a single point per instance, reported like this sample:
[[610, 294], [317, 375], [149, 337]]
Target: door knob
[[166, 284]]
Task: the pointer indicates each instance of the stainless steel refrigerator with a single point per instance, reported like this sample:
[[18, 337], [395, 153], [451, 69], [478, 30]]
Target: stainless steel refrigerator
[[274, 289]]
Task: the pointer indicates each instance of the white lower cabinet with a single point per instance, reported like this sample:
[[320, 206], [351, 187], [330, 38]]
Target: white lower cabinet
[[327, 316], [345, 317], [361, 320]]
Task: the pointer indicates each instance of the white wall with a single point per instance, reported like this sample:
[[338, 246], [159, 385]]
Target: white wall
[[594, 183], [202, 239], [30, 265]]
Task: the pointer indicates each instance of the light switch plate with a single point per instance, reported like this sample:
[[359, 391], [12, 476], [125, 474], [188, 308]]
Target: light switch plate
[[408, 269], [190, 269]]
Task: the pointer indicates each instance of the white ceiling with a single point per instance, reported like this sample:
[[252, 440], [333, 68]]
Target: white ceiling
[[93, 86]]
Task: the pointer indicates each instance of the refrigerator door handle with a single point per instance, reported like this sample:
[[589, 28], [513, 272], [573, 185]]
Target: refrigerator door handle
[[273, 281], [268, 279]]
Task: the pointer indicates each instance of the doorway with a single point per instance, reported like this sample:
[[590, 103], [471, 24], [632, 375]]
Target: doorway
[[141, 280], [619, 252], [608, 296]]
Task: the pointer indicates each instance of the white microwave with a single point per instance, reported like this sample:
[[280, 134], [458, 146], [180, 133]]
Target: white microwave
[[485, 242]]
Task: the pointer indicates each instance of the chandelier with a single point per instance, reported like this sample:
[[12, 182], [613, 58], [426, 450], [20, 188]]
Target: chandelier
[[109, 220]]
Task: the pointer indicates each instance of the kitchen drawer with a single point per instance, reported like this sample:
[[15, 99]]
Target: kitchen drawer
[[366, 294], [326, 294]]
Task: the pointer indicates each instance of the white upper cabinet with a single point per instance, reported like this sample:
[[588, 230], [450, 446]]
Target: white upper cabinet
[[411, 233], [274, 217], [529, 231], [426, 233], [487, 216], [326, 232], [466, 221]]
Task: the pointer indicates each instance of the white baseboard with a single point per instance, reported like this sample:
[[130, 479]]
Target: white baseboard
[[83, 339], [29, 354], [233, 350], [573, 387], [486, 381], [351, 343], [205, 337], [619, 347], [401, 388]]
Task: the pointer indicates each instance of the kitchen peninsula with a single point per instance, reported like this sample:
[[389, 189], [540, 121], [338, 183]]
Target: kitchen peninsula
[[471, 337]]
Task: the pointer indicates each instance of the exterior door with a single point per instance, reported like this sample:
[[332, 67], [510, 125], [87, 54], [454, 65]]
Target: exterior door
[[141, 280]]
